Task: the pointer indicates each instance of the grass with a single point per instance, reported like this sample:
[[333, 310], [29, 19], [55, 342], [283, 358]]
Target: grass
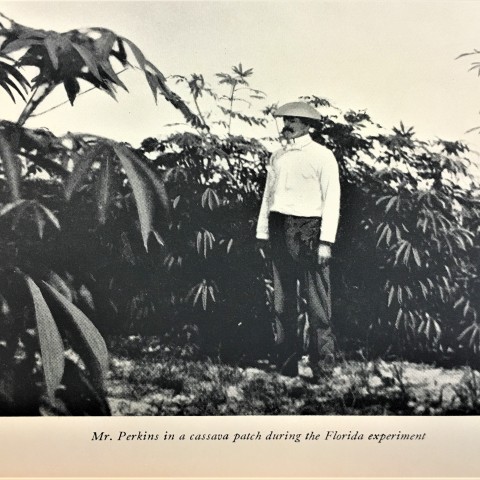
[[149, 379]]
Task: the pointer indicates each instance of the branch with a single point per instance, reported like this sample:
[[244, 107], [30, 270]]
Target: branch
[[68, 101]]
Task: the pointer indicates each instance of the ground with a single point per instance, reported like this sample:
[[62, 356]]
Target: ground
[[151, 379]]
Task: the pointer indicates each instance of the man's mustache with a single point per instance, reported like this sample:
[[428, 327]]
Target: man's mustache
[[286, 130]]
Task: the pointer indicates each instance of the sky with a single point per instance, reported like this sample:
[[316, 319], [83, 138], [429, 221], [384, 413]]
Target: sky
[[394, 59]]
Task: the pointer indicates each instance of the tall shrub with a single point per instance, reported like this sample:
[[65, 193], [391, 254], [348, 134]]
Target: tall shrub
[[53, 357]]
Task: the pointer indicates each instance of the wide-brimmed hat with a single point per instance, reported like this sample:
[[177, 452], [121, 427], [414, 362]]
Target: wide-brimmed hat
[[297, 109]]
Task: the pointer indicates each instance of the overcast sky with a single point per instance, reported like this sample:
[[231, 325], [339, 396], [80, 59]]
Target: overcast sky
[[396, 59]]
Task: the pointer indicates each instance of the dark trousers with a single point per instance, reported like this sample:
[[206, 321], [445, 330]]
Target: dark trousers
[[294, 243]]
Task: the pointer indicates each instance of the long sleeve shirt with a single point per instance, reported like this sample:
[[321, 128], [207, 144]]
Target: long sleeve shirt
[[302, 180]]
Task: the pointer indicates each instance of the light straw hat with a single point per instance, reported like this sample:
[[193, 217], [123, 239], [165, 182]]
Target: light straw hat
[[297, 109]]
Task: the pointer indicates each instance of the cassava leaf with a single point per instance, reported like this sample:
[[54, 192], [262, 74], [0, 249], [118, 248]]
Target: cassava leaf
[[204, 296], [19, 212], [197, 295], [6, 87], [149, 191], [121, 55], [140, 57], [49, 215], [82, 165], [11, 167], [104, 44], [142, 191], [8, 82], [51, 46], [107, 68], [104, 189], [153, 84], [51, 345], [199, 241], [19, 44], [72, 87], [11, 206], [57, 282], [89, 60], [86, 339], [40, 222]]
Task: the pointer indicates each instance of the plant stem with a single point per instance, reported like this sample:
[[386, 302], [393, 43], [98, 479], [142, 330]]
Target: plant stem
[[199, 111], [68, 101], [35, 101], [232, 96]]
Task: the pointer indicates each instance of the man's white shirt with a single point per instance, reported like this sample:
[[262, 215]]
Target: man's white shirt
[[302, 180]]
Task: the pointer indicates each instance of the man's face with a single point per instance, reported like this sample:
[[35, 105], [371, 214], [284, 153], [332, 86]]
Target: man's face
[[294, 127]]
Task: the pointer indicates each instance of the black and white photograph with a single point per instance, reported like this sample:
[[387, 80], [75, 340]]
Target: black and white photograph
[[240, 209]]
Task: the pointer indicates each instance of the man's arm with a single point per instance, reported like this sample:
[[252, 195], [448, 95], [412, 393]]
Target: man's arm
[[262, 222], [330, 188]]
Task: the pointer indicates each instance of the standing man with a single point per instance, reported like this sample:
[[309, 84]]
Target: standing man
[[299, 215]]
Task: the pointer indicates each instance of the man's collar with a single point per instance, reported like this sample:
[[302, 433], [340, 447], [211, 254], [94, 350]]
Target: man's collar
[[300, 142]]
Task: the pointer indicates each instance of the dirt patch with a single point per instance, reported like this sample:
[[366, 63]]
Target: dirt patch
[[161, 384]]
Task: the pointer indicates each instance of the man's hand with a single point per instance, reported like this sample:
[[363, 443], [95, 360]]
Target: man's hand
[[324, 254]]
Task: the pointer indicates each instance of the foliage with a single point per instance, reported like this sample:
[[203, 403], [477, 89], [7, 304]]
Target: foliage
[[87, 54], [54, 359], [161, 238], [11, 78], [405, 272], [210, 264], [227, 106], [410, 218]]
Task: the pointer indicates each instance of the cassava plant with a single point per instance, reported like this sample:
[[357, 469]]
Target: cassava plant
[[227, 105], [404, 266], [53, 358], [408, 238]]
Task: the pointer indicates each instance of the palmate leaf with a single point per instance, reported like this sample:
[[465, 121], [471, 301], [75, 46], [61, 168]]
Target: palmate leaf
[[148, 190], [81, 54], [86, 340], [472, 333], [41, 214], [157, 83], [203, 290], [210, 198], [10, 77], [51, 345]]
